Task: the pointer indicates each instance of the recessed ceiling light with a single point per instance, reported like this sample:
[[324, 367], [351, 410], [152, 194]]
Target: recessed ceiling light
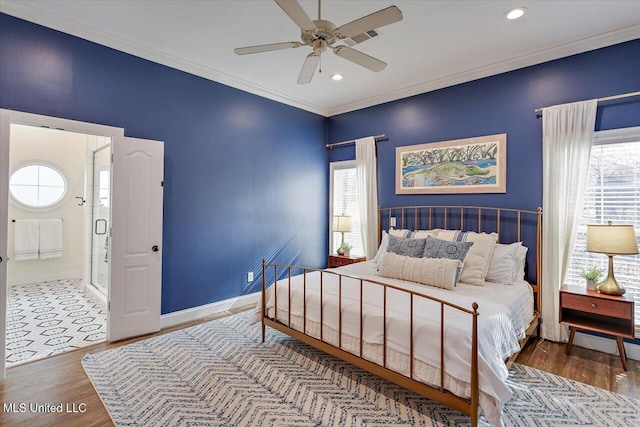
[[515, 13], [336, 77]]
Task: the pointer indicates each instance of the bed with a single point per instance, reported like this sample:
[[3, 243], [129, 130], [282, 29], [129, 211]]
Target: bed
[[452, 344]]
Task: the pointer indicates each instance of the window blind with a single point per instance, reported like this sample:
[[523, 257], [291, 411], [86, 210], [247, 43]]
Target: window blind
[[345, 202]]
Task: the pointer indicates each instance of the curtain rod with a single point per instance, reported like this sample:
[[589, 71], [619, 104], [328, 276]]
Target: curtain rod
[[606, 98], [382, 137]]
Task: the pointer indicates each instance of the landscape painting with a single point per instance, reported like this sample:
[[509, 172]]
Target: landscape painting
[[471, 165]]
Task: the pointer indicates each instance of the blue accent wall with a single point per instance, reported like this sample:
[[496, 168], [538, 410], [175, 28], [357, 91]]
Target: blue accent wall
[[245, 177], [502, 103]]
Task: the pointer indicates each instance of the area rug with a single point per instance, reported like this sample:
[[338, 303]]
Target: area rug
[[219, 374], [52, 317]]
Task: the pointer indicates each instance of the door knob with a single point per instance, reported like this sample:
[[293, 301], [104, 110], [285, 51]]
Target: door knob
[[0, 259], [155, 248]]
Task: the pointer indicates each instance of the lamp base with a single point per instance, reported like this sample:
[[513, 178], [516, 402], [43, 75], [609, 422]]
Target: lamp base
[[610, 286]]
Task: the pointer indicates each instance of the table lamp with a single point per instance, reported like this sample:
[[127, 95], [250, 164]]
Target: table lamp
[[341, 224], [611, 240]]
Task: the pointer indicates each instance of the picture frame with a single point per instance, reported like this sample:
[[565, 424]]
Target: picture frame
[[470, 165]]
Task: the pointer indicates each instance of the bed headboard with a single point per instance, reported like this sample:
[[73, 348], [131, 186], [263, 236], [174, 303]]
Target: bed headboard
[[512, 225]]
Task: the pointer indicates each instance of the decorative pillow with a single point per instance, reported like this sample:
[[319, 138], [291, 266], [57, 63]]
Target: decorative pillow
[[476, 265], [406, 246], [503, 264], [438, 272], [438, 248], [521, 259]]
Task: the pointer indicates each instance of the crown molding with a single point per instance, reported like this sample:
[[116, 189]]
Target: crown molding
[[56, 22], [572, 48], [40, 17]]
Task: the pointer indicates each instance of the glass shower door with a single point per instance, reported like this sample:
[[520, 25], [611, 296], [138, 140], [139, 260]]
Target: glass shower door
[[100, 223]]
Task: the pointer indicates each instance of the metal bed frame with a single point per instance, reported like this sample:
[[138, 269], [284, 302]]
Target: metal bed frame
[[417, 217]]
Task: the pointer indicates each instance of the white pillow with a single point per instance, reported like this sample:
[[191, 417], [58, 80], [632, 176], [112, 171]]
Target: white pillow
[[423, 234], [476, 265], [438, 272], [503, 264], [521, 258], [384, 242], [399, 232]]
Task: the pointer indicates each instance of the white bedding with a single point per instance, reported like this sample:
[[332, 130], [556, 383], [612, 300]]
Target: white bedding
[[505, 312]]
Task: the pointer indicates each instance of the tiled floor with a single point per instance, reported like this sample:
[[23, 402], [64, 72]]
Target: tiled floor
[[52, 317]]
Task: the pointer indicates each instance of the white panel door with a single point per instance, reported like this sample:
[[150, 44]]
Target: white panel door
[[4, 220], [135, 279]]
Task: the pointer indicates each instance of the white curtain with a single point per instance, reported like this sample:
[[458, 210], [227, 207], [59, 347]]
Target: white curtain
[[567, 133], [367, 179]]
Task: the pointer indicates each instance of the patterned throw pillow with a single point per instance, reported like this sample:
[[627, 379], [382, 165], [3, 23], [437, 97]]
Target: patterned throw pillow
[[438, 272], [406, 246], [438, 248]]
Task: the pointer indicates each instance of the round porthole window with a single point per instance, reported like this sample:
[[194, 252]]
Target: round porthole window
[[37, 185]]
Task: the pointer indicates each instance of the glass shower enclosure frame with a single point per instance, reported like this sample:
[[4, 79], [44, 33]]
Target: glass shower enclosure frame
[[101, 216]]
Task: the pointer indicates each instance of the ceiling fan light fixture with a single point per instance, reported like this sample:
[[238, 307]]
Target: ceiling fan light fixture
[[515, 13], [336, 77]]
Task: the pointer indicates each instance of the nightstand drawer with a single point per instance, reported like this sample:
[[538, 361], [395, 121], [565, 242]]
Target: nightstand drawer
[[604, 307]]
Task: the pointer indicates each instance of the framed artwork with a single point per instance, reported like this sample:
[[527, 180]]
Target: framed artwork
[[470, 165]]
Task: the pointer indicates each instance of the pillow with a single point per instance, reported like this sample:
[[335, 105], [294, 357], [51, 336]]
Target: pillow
[[476, 265], [521, 259], [384, 242], [399, 233], [438, 272], [423, 234], [503, 264], [438, 248], [406, 246]]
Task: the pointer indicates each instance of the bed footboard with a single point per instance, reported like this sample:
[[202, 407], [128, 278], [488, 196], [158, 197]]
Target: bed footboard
[[438, 393]]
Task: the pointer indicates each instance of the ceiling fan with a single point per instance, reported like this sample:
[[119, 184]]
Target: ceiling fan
[[321, 34]]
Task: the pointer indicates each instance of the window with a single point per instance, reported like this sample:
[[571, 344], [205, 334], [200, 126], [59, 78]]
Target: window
[[344, 201], [37, 185], [612, 194]]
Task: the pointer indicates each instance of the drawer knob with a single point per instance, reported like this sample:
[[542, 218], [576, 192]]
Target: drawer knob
[[594, 305]]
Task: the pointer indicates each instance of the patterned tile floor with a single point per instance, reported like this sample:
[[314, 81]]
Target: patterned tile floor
[[52, 317]]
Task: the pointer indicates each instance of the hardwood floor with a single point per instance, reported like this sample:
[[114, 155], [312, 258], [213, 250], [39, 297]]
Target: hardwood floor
[[61, 380]]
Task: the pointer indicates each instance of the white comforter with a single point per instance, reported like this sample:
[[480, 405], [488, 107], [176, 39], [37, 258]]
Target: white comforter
[[505, 312]]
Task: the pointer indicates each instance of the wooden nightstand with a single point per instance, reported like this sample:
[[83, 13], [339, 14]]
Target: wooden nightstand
[[340, 260], [592, 311]]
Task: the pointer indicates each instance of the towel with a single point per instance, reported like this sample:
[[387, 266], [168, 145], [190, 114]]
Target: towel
[[50, 238], [26, 239]]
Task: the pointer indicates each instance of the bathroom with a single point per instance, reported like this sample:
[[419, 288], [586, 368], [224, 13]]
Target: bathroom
[[57, 297]]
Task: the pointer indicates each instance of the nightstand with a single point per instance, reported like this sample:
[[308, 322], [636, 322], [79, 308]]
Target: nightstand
[[589, 310], [340, 260]]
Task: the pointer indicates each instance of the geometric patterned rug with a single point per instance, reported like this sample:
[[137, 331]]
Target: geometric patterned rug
[[218, 374], [52, 317]]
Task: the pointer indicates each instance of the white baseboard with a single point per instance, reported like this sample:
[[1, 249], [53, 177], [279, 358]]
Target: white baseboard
[[605, 345], [195, 313], [75, 274]]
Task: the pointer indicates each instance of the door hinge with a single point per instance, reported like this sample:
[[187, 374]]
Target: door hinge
[[111, 157], [109, 306], [161, 183]]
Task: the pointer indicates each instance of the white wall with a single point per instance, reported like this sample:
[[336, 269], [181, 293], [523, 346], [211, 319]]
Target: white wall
[[68, 153]]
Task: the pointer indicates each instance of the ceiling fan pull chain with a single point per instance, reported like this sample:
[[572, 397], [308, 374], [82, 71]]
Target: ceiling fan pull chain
[[319, 9]]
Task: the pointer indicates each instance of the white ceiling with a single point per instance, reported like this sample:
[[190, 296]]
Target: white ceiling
[[438, 43]]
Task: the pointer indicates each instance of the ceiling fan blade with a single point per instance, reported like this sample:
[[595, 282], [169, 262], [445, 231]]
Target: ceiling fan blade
[[308, 68], [370, 22], [360, 58], [297, 14], [266, 47]]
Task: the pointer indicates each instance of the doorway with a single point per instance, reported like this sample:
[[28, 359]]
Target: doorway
[[58, 277], [134, 248]]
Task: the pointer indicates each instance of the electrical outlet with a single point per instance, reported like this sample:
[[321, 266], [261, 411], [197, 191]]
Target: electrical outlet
[[392, 221], [250, 276]]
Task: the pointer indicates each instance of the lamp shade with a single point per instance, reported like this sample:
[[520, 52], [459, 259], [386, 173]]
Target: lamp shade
[[612, 239], [341, 223]]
